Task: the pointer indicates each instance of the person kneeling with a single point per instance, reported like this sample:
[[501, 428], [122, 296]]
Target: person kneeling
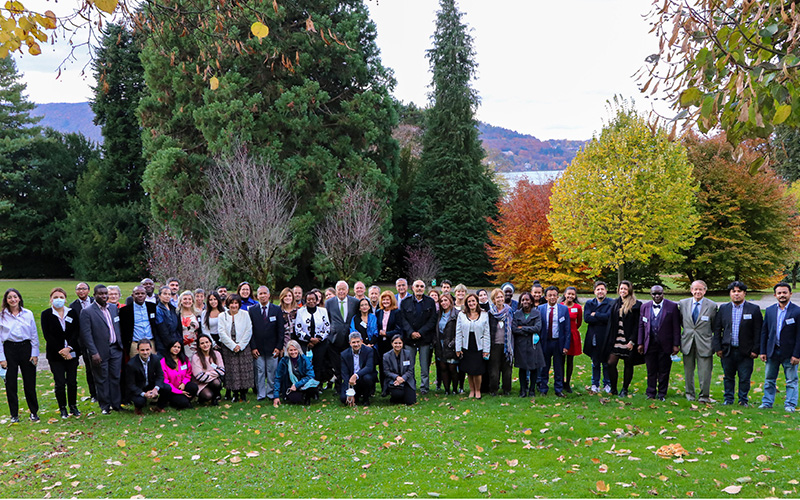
[[294, 378], [358, 369], [178, 377], [399, 366], [145, 380]]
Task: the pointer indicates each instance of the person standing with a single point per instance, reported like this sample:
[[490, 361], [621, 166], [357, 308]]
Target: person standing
[[596, 314], [737, 340], [83, 301], [312, 328], [508, 293], [556, 338], [149, 290], [190, 322], [401, 284], [623, 331], [698, 314], [297, 293], [780, 347], [267, 341], [137, 321], [528, 357], [360, 290], [575, 319], [61, 330], [174, 287], [245, 293], [341, 310], [387, 319], [501, 358], [473, 342], [235, 332], [209, 318], [374, 294], [418, 320], [19, 352], [288, 308], [101, 337], [537, 292], [168, 324], [444, 344], [659, 338]]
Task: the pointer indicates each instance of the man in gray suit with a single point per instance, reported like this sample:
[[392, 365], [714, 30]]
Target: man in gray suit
[[341, 310], [697, 314], [102, 341]]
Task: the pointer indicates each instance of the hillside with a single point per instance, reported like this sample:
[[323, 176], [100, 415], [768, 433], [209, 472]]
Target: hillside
[[69, 117]]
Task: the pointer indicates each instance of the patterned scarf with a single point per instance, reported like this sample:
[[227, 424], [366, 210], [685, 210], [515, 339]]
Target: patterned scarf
[[508, 339]]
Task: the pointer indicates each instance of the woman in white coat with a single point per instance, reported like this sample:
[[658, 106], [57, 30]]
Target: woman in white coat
[[473, 343], [235, 330]]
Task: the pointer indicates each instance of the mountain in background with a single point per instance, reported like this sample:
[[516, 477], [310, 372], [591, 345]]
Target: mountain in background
[[506, 150]]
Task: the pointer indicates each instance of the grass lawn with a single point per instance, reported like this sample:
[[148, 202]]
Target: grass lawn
[[445, 446]]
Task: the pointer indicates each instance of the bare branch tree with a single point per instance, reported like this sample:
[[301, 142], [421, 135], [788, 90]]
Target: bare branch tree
[[351, 230], [421, 263], [170, 253], [248, 214]]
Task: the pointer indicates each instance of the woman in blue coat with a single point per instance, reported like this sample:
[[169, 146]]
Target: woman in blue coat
[[294, 377]]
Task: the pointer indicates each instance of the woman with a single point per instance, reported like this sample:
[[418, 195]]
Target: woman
[[114, 293], [388, 322], [575, 319], [208, 370], [311, 323], [168, 325], [235, 331], [329, 294], [209, 318], [61, 332], [178, 377], [245, 293], [622, 336], [289, 309], [199, 300], [190, 325], [445, 343], [528, 356], [460, 291], [473, 343], [365, 322], [19, 352], [501, 359], [294, 377], [399, 367], [483, 300], [434, 294]]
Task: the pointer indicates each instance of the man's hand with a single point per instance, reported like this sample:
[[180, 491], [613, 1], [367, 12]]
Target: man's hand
[[314, 341], [753, 355], [64, 353], [292, 388], [763, 358], [676, 349], [353, 379], [640, 349], [382, 333], [3, 364], [719, 354], [276, 402], [276, 353], [794, 360], [564, 351], [415, 335], [237, 348], [399, 380], [256, 354], [34, 360], [96, 359]]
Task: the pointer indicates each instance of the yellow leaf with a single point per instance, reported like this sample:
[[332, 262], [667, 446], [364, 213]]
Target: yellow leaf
[[15, 7], [479, 448], [259, 30], [108, 6], [50, 20], [121, 443], [781, 114], [34, 49], [214, 83]]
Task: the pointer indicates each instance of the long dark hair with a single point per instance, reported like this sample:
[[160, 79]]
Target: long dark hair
[[212, 353], [5, 300], [359, 307], [220, 307], [181, 356]]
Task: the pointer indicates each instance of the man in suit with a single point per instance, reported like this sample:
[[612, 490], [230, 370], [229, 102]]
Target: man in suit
[[737, 340], [358, 371], [780, 347], [341, 310], [596, 313], [266, 343], [83, 301], [418, 320], [101, 338], [145, 379], [659, 339], [556, 336], [697, 318], [137, 321]]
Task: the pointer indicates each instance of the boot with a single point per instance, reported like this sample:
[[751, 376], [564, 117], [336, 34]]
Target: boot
[[74, 410], [523, 387], [64, 413]]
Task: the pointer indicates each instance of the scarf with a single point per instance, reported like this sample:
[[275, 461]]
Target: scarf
[[508, 339]]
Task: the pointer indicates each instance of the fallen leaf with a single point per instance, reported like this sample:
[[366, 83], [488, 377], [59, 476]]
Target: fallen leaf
[[453, 477], [480, 449], [236, 460], [483, 488], [762, 458], [602, 486], [121, 443], [732, 489], [734, 457], [513, 462]]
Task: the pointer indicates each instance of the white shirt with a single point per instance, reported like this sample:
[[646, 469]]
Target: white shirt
[[18, 328], [356, 362], [554, 326]]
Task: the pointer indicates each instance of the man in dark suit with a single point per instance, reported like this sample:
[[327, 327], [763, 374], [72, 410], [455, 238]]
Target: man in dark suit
[[341, 310], [556, 336], [659, 339], [737, 340], [596, 313], [145, 379], [418, 320], [780, 347], [358, 372], [137, 321], [101, 338], [267, 341], [83, 301]]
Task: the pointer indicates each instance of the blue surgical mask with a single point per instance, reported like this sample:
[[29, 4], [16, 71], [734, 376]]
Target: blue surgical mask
[[59, 303]]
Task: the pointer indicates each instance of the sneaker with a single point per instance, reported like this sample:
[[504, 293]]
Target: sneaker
[[14, 420], [763, 406], [607, 389], [789, 409], [594, 389], [34, 417]]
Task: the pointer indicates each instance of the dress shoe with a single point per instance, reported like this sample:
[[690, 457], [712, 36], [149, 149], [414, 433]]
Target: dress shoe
[[64, 412], [138, 411], [568, 389], [156, 409], [623, 393], [14, 420], [727, 403], [106, 411], [742, 403], [560, 395], [662, 398], [74, 410]]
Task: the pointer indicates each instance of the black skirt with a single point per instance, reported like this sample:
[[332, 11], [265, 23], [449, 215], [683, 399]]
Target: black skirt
[[473, 363]]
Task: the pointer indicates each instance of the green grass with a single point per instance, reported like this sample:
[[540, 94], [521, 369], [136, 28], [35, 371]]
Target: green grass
[[446, 446]]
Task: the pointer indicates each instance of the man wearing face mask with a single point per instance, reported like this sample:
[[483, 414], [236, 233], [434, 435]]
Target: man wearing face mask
[[102, 339]]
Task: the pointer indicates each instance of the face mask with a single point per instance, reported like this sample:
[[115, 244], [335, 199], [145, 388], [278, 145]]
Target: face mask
[[59, 303]]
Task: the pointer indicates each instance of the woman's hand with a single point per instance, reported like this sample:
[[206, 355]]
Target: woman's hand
[[630, 345], [458, 354], [3, 364], [292, 388], [276, 402], [34, 360], [237, 348], [399, 380], [182, 386]]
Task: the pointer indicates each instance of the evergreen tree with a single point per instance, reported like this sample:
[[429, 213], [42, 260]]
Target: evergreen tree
[[109, 208], [454, 194]]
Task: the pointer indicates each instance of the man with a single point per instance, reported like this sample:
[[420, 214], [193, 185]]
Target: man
[[737, 340], [83, 301], [556, 335], [374, 295], [137, 321], [418, 321], [266, 343], [402, 290], [446, 286], [222, 291], [360, 290], [780, 348], [659, 339], [145, 379], [697, 317], [101, 339], [538, 294], [596, 313], [341, 310], [174, 288], [508, 295], [297, 291], [149, 287], [358, 370]]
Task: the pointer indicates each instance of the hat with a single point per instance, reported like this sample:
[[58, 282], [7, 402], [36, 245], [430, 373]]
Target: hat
[[507, 285]]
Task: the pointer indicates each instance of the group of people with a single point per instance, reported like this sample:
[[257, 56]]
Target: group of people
[[168, 348]]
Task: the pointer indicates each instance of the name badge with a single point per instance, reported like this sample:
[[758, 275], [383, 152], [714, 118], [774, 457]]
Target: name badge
[[561, 319], [272, 319], [747, 316], [364, 324], [789, 321], [68, 319], [152, 315], [704, 318], [406, 363], [214, 366], [644, 320], [574, 310], [183, 367], [116, 319]]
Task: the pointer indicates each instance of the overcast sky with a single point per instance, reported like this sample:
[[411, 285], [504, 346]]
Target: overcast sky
[[545, 68]]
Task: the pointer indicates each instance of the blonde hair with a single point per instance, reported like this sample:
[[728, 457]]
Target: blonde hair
[[284, 293], [387, 293], [180, 302], [495, 293]]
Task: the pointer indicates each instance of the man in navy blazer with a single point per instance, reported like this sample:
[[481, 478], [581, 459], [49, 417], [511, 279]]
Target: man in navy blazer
[[659, 338], [358, 372], [780, 347], [737, 340], [555, 336], [266, 343], [101, 339], [340, 327], [596, 313]]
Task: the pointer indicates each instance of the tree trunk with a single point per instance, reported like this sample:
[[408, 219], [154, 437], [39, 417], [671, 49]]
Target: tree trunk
[[620, 274]]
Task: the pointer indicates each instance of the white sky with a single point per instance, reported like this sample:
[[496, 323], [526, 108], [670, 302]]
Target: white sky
[[545, 67]]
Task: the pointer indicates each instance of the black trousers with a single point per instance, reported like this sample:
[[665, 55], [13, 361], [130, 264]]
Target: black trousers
[[181, 401], [65, 376], [106, 379], [659, 364], [364, 387], [87, 362], [402, 394], [18, 358], [499, 369]]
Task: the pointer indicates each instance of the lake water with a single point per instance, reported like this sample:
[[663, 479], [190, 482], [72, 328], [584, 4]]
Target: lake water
[[535, 177]]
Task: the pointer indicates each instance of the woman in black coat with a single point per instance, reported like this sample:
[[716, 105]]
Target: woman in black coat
[[168, 325], [621, 337], [445, 343], [61, 331], [528, 356]]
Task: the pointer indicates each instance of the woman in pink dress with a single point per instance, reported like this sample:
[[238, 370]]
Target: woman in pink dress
[[570, 300]]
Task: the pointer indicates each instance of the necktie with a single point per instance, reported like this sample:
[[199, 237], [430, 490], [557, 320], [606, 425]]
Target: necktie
[[233, 327], [264, 313], [112, 337], [550, 325], [656, 306], [341, 308], [696, 311]]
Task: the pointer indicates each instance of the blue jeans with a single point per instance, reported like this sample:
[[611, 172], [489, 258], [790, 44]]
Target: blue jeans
[[425, 353], [771, 375], [597, 366], [736, 363], [264, 368]]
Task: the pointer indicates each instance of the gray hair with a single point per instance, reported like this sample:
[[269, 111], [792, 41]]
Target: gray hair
[[115, 287], [292, 343], [342, 282], [355, 335], [400, 280], [265, 287], [374, 287]]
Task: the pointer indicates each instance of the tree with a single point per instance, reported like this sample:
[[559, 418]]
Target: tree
[[454, 194], [627, 196], [422, 264], [785, 148], [732, 65], [170, 253], [109, 206], [748, 224], [522, 249]]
